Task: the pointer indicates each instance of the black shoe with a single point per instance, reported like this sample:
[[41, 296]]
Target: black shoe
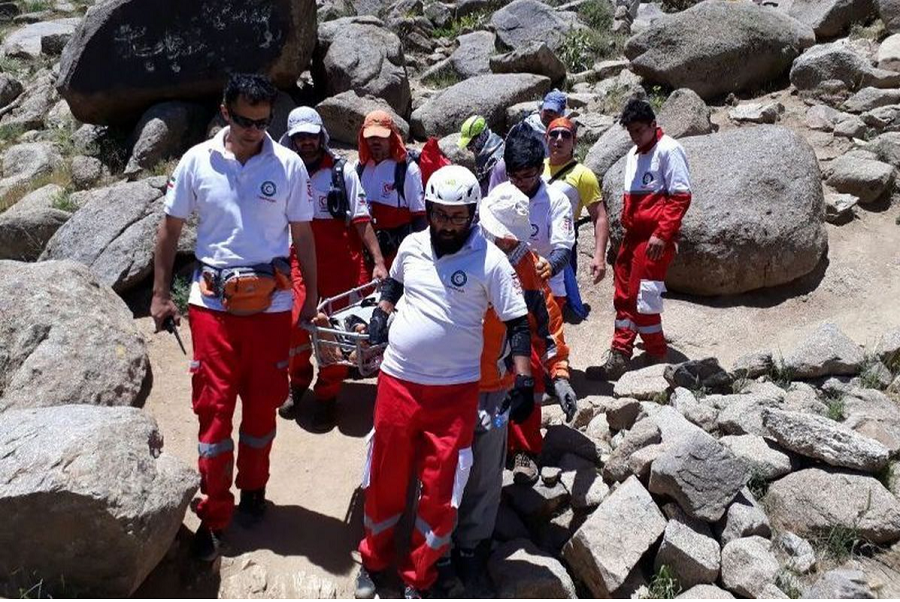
[[411, 593], [469, 566], [288, 409], [447, 584], [324, 416], [367, 584], [252, 507], [206, 544]]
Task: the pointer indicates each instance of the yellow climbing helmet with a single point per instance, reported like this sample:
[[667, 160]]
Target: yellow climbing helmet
[[471, 128]]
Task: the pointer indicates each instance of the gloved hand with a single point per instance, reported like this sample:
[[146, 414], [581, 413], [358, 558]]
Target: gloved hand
[[378, 328], [521, 399], [566, 396]]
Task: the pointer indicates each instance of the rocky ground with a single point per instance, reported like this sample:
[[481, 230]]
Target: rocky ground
[[765, 470]]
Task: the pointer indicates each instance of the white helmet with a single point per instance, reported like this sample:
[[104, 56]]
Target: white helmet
[[453, 185]]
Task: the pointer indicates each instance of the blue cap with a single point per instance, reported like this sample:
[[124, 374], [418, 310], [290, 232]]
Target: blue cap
[[555, 101]]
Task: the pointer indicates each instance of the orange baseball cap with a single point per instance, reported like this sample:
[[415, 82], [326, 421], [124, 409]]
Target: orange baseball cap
[[561, 123], [378, 124]]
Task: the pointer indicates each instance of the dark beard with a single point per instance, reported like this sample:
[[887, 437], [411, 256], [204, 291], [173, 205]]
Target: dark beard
[[448, 246]]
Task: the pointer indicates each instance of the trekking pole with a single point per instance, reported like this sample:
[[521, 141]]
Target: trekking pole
[[169, 325]]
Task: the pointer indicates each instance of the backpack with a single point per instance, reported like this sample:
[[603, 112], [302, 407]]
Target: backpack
[[338, 203], [429, 160]]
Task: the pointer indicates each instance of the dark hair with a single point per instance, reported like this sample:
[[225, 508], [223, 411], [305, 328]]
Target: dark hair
[[637, 110], [524, 148], [255, 89]]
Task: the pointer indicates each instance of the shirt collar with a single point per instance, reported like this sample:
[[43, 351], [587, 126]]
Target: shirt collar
[[218, 144], [656, 138]]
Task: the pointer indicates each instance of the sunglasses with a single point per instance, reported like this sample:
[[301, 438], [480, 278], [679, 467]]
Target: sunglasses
[[247, 123], [564, 134]]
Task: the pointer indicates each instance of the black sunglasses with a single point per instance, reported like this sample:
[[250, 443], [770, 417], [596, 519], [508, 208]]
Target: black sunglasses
[[564, 134], [247, 123]]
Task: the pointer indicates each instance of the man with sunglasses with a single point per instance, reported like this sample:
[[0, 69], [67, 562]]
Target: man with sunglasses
[[341, 226], [441, 285], [251, 198], [565, 173], [552, 238]]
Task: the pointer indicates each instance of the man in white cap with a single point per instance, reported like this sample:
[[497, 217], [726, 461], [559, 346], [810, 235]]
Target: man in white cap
[[441, 284], [341, 227], [504, 218]]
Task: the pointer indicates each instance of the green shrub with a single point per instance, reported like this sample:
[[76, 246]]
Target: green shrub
[[63, 201], [181, 291], [663, 585], [675, 6], [461, 25]]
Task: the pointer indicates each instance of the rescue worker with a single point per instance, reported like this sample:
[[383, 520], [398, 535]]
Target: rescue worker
[[565, 173], [503, 217], [553, 107], [657, 196], [251, 198], [441, 285], [341, 226], [552, 238], [487, 147], [392, 183]]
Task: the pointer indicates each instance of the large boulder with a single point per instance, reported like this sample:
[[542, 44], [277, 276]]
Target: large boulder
[[344, 114], [165, 130], [486, 95], [23, 235], [757, 216], [25, 43], [72, 340], [748, 566], [685, 114], [866, 179], [31, 109], [113, 232], [123, 58], [473, 55], [752, 45], [609, 545], [521, 22], [534, 58], [831, 18], [889, 11], [825, 352], [838, 61], [91, 504], [23, 163], [361, 54], [816, 500], [520, 570]]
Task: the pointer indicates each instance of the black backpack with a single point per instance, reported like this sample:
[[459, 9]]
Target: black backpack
[[412, 156], [338, 203]]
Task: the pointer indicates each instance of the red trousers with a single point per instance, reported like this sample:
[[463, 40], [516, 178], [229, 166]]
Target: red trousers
[[637, 282], [526, 437], [429, 429], [331, 282], [236, 355]]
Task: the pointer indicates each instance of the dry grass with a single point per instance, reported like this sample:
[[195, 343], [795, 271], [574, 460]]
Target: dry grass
[[61, 176]]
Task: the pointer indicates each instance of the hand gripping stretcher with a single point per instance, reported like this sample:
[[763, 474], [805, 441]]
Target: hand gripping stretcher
[[344, 339]]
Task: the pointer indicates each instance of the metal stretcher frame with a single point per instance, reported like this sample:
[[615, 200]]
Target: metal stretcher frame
[[325, 341]]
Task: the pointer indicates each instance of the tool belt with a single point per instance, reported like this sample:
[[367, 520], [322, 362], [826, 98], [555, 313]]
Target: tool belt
[[389, 240], [244, 291]]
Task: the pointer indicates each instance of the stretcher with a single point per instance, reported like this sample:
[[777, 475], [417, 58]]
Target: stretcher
[[343, 339]]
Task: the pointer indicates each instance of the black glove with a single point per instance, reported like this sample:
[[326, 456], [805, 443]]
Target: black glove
[[566, 397], [521, 399], [378, 328]]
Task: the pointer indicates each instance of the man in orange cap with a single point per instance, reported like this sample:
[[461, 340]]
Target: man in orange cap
[[392, 182]]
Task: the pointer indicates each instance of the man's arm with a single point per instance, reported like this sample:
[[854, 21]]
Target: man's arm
[[161, 305], [600, 219], [305, 248], [367, 235]]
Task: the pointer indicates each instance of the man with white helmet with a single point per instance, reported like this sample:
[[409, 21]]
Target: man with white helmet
[[441, 284], [341, 226]]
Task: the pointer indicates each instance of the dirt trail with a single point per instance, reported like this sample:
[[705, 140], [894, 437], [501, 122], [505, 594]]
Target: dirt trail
[[306, 546]]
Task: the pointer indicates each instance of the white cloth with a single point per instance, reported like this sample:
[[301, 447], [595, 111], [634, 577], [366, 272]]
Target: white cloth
[[244, 211], [552, 228], [320, 184], [378, 182], [437, 334], [663, 170]]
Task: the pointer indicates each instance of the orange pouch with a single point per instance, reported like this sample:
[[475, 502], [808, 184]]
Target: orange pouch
[[248, 293]]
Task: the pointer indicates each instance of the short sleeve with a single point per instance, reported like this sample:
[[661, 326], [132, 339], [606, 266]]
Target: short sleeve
[[181, 200], [299, 202], [562, 230], [356, 195], [504, 288], [397, 265], [588, 188], [413, 189]]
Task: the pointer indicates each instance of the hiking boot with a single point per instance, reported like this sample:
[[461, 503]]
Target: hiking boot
[[470, 566], [411, 593], [616, 365], [206, 544], [525, 470], [324, 416], [366, 584], [653, 360], [447, 584], [252, 507], [288, 409]]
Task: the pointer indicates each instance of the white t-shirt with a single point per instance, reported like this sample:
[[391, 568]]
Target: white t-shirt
[[552, 227], [437, 333], [378, 182], [320, 184], [244, 211]]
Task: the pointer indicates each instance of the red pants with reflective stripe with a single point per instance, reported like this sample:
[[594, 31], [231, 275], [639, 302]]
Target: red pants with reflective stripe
[[526, 437], [330, 283], [632, 265], [236, 355], [429, 429]]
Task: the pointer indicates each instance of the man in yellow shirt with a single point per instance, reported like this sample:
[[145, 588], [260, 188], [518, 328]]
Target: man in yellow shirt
[[565, 173]]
